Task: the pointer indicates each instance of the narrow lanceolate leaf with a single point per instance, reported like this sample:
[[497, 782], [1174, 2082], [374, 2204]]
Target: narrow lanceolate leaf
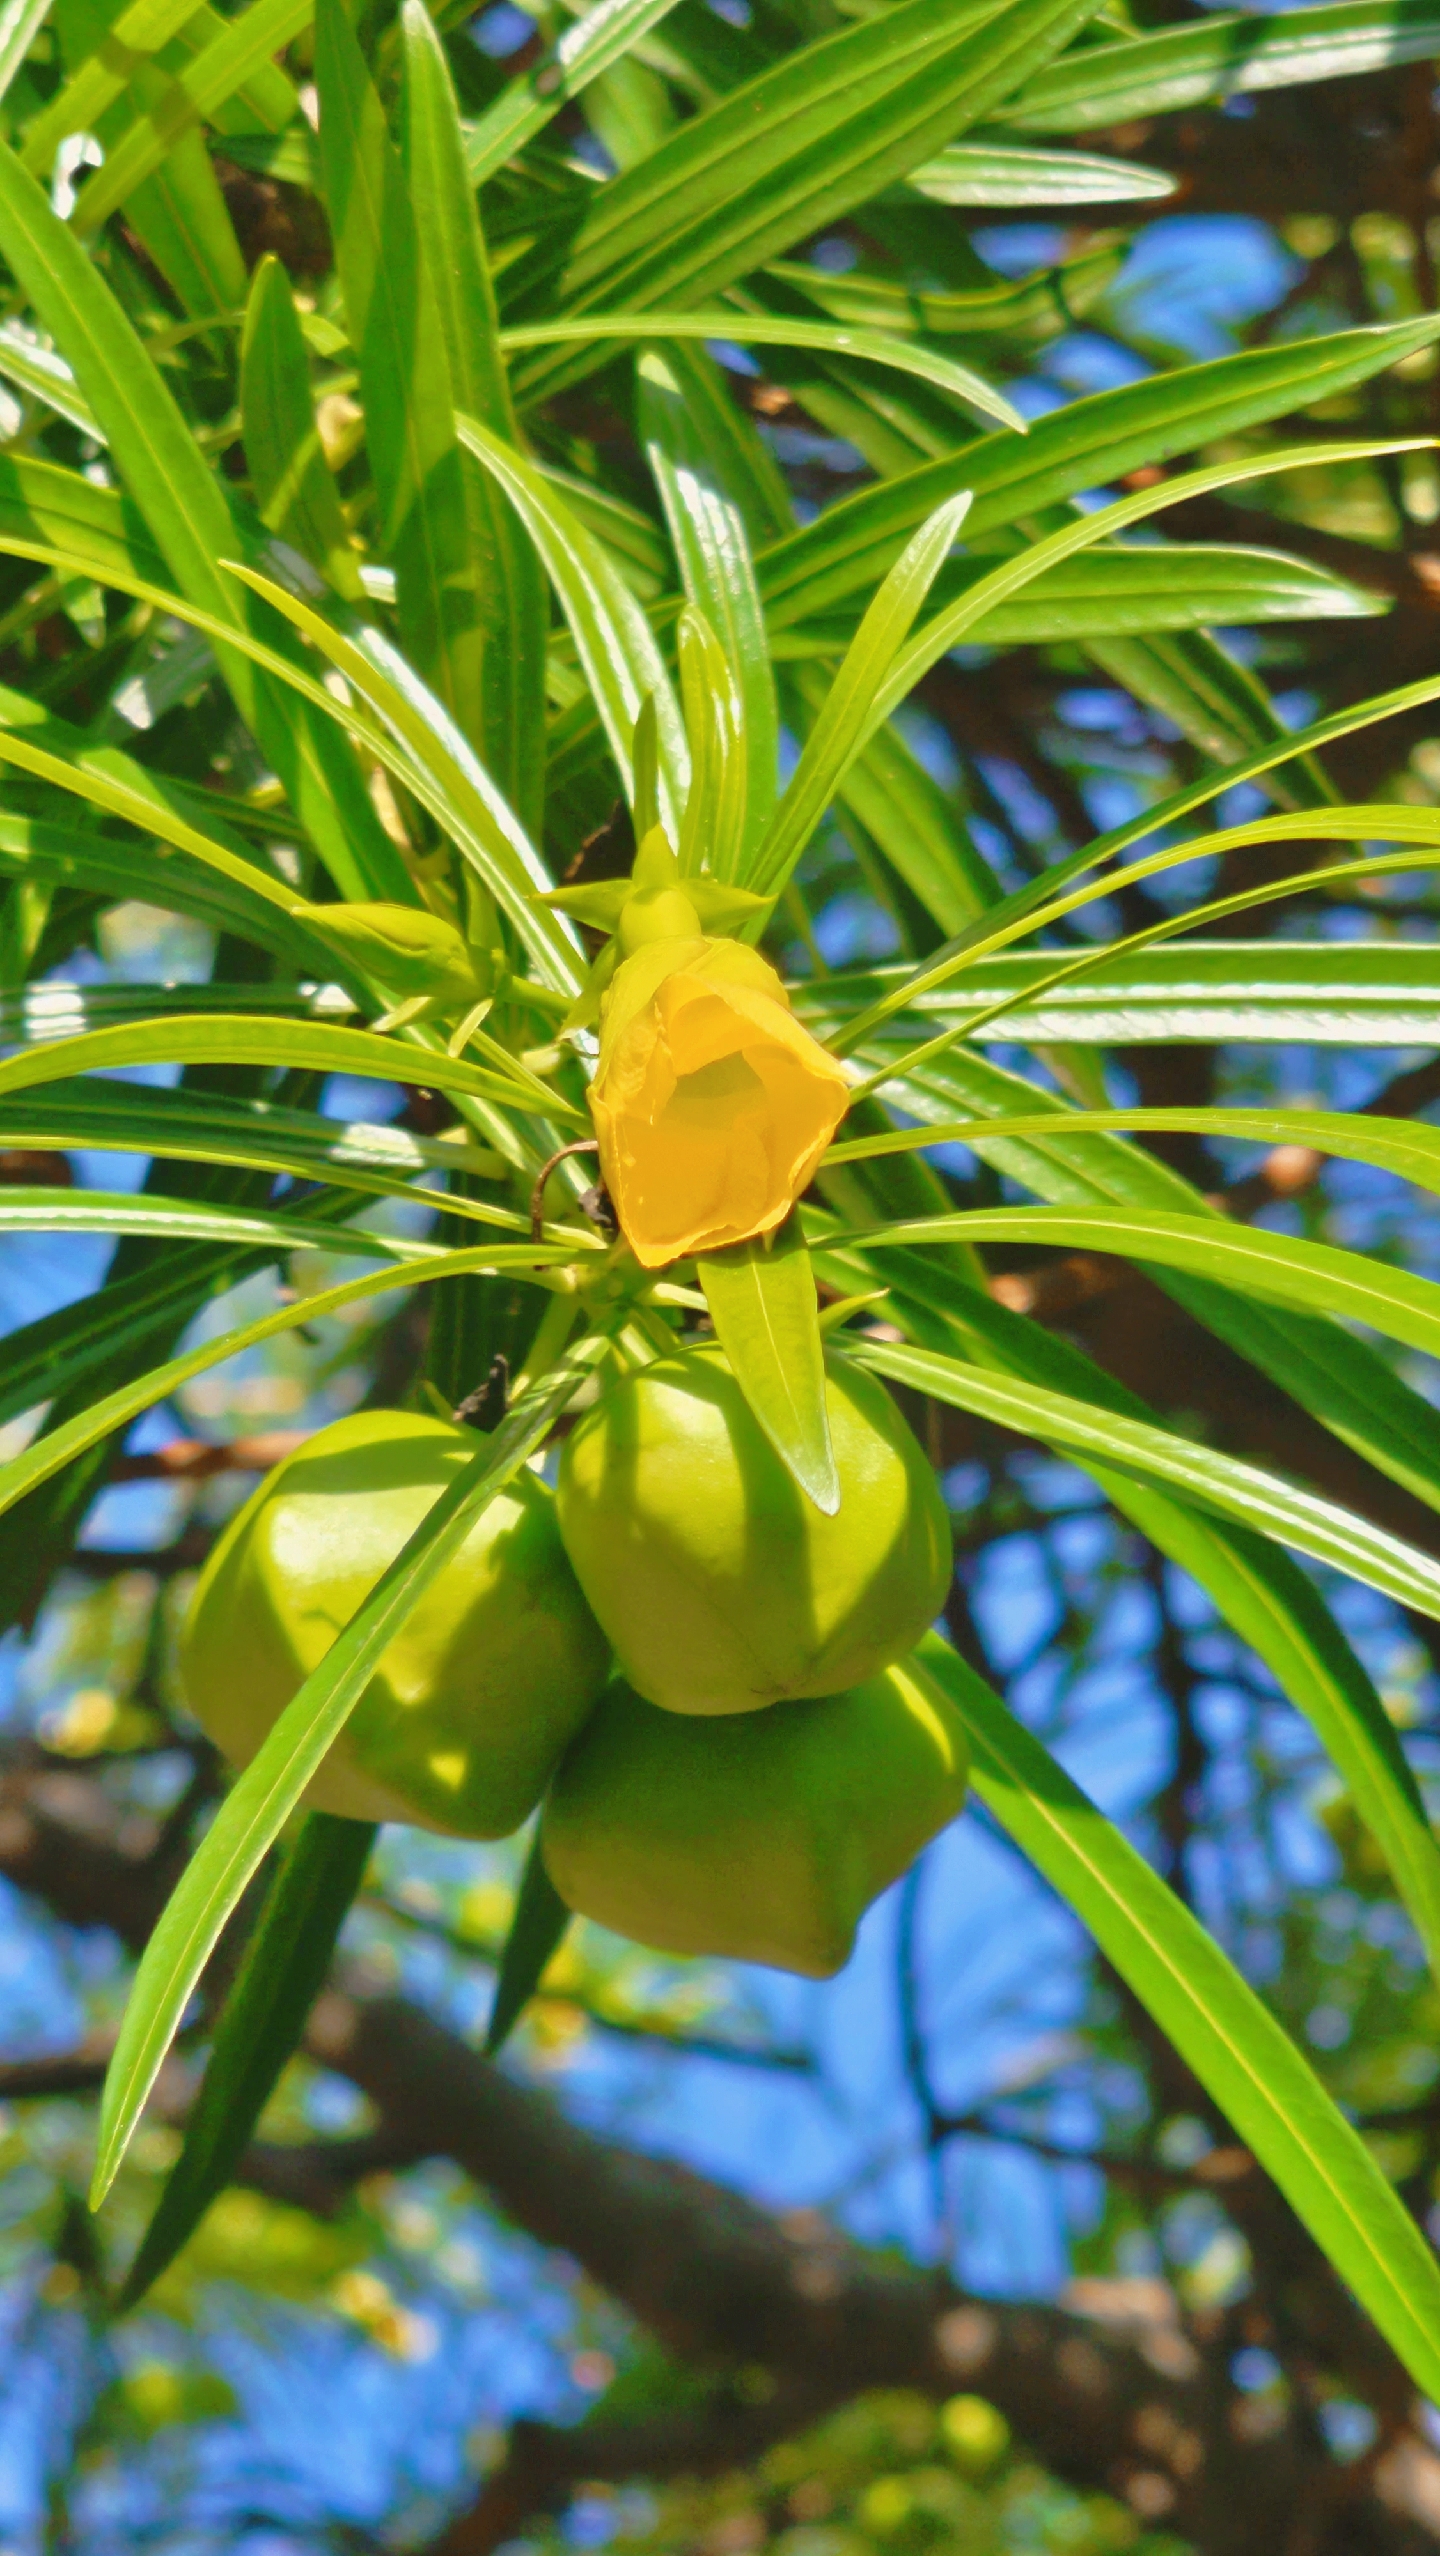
[[712, 831], [227, 63], [1278, 1268], [1258, 1589], [118, 870], [1223, 57], [748, 328], [378, 1160], [762, 1301], [97, 1211], [604, 35], [1311, 1525], [955, 621], [141, 29], [20, 23], [289, 476], [1094, 441], [613, 639], [1107, 597], [46, 376], [536, 1929], [914, 822], [215, 1039], [1217, 2023], [263, 2017], [414, 734], [992, 173], [707, 534], [192, 524], [394, 328], [1221, 706], [50, 1454], [1408, 1147], [789, 151], [263, 1797], [506, 577], [848, 715]]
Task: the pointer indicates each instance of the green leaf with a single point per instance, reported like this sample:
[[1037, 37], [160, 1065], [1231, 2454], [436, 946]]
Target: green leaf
[[786, 153], [98, 1211], [1321, 1528], [1264, 1595], [694, 471], [996, 174], [1408, 1147], [192, 521], [118, 870], [709, 540], [957, 621], [1107, 593], [913, 822], [1337, 1377], [1220, 705], [137, 31], [42, 505], [190, 97], [1222, 57], [378, 1160], [1278, 1268], [263, 1797], [20, 23], [761, 1296], [178, 212], [1093, 441], [60, 1446], [746, 328], [46, 376], [1218, 2025], [506, 577], [613, 639], [712, 830], [215, 1039], [394, 327], [536, 1929], [604, 35], [289, 476], [1030, 311], [41, 1360], [414, 735], [848, 713], [264, 2015]]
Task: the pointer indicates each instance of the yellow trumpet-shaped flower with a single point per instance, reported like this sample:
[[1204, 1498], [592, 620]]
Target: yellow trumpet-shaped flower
[[712, 1104]]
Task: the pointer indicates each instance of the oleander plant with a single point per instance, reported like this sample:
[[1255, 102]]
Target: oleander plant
[[536, 564]]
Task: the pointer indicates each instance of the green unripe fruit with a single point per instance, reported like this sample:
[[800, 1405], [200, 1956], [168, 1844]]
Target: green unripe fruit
[[757, 1837], [720, 1585], [480, 1691]]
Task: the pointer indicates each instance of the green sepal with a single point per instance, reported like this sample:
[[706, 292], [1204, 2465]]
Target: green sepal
[[722, 909], [599, 906], [585, 1009]]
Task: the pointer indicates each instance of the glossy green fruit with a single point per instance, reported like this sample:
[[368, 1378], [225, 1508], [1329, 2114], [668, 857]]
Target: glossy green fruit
[[720, 1585], [476, 1697], [759, 1837]]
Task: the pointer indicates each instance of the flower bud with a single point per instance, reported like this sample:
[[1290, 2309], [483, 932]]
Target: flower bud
[[481, 1689]]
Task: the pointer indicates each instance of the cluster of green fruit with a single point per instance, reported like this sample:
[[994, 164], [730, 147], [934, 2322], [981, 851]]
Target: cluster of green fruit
[[704, 1679]]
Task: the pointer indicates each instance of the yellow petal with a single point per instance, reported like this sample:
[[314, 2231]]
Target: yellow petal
[[712, 1104]]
